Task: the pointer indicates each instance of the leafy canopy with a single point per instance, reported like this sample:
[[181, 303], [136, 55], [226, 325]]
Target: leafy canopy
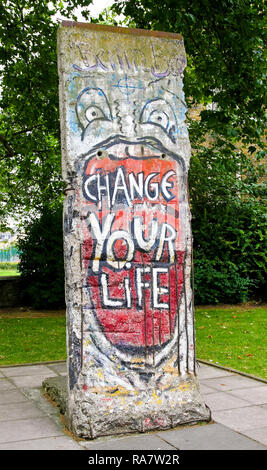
[[29, 121], [224, 42], [224, 78]]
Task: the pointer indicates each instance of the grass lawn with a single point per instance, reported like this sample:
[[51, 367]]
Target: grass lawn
[[233, 336], [9, 269], [9, 272], [31, 338], [230, 336]]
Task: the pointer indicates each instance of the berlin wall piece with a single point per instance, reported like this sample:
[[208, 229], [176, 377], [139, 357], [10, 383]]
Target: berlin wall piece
[[127, 231]]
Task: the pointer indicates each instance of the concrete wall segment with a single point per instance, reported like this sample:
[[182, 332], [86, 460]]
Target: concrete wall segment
[[127, 231]]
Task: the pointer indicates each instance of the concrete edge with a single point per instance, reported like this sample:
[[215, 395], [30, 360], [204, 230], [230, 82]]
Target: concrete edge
[[25, 364], [234, 371], [122, 30], [56, 389]]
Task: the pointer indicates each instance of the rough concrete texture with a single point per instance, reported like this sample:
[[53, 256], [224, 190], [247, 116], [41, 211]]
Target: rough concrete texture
[[127, 231], [56, 389]]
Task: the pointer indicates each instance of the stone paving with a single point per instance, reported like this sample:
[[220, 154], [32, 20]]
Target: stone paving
[[238, 405]]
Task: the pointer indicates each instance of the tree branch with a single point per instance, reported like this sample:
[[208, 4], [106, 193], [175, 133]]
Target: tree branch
[[25, 130], [10, 151]]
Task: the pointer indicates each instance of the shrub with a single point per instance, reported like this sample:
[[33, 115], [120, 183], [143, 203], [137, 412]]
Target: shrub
[[230, 254], [220, 282], [41, 265], [8, 266]]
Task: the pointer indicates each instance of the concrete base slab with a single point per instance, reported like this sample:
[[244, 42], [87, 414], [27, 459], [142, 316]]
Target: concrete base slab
[[223, 401], [209, 372], [30, 380], [11, 396], [107, 415], [200, 437], [259, 434], [30, 421], [19, 411], [49, 443], [5, 385], [229, 382], [25, 429], [60, 368], [209, 437], [40, 369], [242, 419], [254, 395], [56, 389], [135, 442]]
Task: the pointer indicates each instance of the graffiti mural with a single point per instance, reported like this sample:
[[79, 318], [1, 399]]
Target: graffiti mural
[[127, 228]]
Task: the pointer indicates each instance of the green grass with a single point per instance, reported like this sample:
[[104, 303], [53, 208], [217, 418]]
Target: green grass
[[25, 340], [233, 337], [9, 272], [9, 269]]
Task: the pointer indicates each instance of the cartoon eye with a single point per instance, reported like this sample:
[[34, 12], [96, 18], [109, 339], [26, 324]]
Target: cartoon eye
[[160, 118], [92, 104], [94, 112], [160, 113]]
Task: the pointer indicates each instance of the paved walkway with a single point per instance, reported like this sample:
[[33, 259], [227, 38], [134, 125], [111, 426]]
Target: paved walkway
[[238, 405]]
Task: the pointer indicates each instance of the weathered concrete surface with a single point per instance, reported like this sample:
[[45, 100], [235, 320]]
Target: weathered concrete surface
[[127, 231], [56, 389], [20, 427]]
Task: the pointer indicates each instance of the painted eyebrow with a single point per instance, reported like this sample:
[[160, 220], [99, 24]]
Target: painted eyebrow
[[155, 81], [174, 94], [167, 91]]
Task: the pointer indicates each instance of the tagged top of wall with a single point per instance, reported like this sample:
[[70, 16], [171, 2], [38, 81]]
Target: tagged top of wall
[[108, 48], [120, 83]]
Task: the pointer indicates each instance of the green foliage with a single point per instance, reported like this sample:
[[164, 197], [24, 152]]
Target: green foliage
[[229, 229], [219, 281], [30, 173], [224, 42], [41, 265], [109, 17], [8, 266], [226, 68]]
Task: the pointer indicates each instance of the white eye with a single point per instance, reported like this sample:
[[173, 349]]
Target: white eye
[[160, 113], [94, 112], [160, 118], [92, 105]]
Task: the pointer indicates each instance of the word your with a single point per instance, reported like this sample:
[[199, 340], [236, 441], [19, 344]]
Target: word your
[[115, 187], [106, 239]]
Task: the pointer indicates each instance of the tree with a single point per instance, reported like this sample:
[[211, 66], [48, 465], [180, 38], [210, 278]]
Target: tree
[[225, 48], [224, 77], [225, 74], [30, 169], [41, 261], [29, 123]]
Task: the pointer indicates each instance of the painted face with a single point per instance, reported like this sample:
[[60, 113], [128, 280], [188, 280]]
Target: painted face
[[132, 194]]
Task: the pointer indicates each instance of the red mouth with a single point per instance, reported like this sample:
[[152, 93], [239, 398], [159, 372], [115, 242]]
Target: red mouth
[[133, 248]]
